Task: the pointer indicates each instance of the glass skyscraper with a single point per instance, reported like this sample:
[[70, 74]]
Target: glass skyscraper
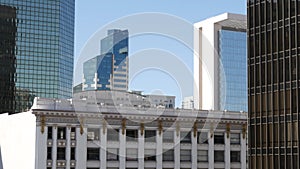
[[8, 31], [109, 71], [233, 75], [41, 51], [274, 82]]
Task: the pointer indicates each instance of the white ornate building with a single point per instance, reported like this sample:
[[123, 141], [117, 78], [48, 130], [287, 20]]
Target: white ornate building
[[83, 134]]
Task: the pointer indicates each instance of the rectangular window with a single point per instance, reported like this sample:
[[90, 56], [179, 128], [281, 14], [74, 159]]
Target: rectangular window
[[49, 132], [168, 136], [150, 155], [61, 153], [73, 133], [202, 156], [202, 138], [235, 138], [93, 134], [150, 136], [112, 135], [112, 154], [131, 154], [61, 133], [72, 153], [131, 135], [235, 156], [185, 137], [49, 153], [219, 156], [185, 155], [219, 138], [93, 154], [168, 155]]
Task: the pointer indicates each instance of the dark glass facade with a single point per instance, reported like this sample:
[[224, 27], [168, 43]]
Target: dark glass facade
[[273, 83], [43, 50], [111, 67], [8, 31]]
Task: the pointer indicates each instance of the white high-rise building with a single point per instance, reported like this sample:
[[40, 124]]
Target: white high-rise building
[[220, 63], [188, 102]]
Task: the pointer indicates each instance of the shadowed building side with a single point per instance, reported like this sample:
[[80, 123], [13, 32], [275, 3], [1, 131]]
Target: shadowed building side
[[273, 83], [37, 51], [8, 31]]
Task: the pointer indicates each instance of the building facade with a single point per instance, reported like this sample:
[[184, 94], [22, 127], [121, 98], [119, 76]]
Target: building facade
[[89, 136], [220, 63], [43, 51], [126, 99], [273, 80], [109, 70], [8, 30], [188, 102]]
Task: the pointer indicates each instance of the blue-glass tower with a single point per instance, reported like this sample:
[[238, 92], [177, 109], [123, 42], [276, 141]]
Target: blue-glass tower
[[43, 49], [109, 70], [233, 72]]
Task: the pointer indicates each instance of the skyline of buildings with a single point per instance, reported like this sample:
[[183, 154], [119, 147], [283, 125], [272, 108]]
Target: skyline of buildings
[[220, 63], [40, 52], [273, 81], [109, 70], [113, 131]]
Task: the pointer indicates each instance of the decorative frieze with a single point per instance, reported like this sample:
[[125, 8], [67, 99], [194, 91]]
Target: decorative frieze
[[244, 130], [104, 125], [43, 124], [81, 125], [228, 130], [123, 126], [142, 128], [195, 128], [160, 127]]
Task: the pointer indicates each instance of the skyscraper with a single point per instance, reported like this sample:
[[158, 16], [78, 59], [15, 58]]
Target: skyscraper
[[109, 71], [273, 83], [220, 67], [8, 31], [38, 51]]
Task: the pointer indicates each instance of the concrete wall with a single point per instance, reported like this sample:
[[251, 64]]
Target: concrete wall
[[17, 140]]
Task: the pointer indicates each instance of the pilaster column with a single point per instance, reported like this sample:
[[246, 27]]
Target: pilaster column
[[243, 151], [159, 150], [177, 148], [81, 147], [41, 147], [211, 149], [227, 150], [194, 150], [122, 151], [68, 147], [103, 143], [141, 145], [54, 146]]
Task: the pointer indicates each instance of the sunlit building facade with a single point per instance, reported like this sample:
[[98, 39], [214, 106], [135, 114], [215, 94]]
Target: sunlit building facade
[[273, 80], [81, 134], [220, 67]]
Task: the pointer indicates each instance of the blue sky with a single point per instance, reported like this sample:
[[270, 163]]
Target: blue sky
[[91, 15]]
